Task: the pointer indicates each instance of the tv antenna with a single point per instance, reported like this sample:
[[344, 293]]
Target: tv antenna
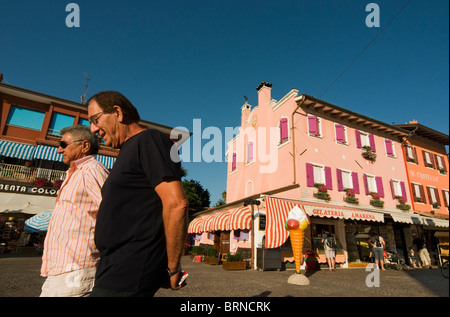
[[83, 98]]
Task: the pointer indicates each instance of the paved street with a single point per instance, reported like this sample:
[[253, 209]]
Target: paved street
[[20, 278]]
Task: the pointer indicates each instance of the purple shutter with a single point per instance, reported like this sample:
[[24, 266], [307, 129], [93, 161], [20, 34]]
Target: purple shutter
[[380, 188], [313, 128], [389, 150], [403, 187], [366, 185], [340, 135], [372, 142], [283, 130], [328, 178], [309, 175], [245, 235], [355, 182], [358, 139], [233, 164], [250, 152], [339, 180]]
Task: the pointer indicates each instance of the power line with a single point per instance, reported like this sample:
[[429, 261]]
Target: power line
[[365, 48]]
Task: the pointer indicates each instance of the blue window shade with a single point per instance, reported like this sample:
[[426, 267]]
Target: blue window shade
[[25, 118], [85, 122], [59, 122]]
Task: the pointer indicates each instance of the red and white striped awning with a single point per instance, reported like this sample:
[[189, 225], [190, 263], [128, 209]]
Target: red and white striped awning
[[221, 221], [208, 221], [240, 218], [196, 225], [277, 210]]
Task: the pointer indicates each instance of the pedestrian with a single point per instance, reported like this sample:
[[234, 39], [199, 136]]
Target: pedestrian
[[329, 243], [413, 258], [142, 220], [422, 251], [70, 257], [377, 244]]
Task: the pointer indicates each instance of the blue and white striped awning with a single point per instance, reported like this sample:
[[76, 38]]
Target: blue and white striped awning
[[108, 161], [17, 150], [47, 153]]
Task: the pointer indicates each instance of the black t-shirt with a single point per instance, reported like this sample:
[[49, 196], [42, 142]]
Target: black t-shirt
[[130, 231]]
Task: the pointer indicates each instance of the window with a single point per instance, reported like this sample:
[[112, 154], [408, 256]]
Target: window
[[25, 118], [314, 126], [242, 234], [390, 149], [233, 163], [341, 133], [446, 198], [84, 122], [318, 174], [440, 164], [411, 154], [428, 159], [418, 193], [250, 152], [347, 179], [398, 189], [365, 139], [284, 135], [433, 196], [373, 184], [59, 122]]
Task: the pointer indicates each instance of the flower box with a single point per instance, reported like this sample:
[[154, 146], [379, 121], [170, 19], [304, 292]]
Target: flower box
[[231, 266], [403, 207], [377, 203], [211, 260]]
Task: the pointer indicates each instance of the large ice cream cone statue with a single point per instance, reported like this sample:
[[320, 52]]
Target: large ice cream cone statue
[[296, 224], [297, 238]]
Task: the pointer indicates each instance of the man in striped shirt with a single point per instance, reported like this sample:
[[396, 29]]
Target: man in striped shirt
[[70, 256]]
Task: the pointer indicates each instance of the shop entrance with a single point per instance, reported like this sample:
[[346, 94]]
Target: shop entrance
[[222, 241], [358, 235], [400, 242]]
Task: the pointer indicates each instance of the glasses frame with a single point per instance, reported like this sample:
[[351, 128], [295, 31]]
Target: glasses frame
[[64, 144], [94, 118]]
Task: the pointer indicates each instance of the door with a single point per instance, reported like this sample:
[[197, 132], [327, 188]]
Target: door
[[224, 242]]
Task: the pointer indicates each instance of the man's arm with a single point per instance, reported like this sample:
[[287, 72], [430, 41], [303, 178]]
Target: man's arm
[[175, 216]]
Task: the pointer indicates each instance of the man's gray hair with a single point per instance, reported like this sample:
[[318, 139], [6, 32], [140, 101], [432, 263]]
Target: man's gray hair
[[82, 132]]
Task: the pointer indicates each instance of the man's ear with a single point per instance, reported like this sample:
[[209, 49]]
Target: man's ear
[[117, 111], [86, 147]]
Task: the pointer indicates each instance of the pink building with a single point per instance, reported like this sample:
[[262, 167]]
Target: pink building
[[345, 169]]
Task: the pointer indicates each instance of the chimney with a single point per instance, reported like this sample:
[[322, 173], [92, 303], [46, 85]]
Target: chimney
[[1, 77], [413, 122], [264, 93]]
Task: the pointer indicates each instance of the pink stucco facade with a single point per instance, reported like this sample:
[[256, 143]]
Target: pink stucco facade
[[316, 137]]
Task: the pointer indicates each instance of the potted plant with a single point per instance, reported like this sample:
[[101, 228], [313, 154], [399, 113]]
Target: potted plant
[[402, 204], [197, 251], [234, 262], [368, 154], [376, 200], [310, 260], [322, 192], [350, 196], [211, 256]]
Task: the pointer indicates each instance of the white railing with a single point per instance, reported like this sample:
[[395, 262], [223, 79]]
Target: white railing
[[23, 173]]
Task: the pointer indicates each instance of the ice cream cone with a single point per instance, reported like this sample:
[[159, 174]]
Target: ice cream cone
[[297, 238]]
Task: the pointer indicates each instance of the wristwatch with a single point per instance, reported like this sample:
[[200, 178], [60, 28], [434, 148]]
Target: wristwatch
[[174, 272]]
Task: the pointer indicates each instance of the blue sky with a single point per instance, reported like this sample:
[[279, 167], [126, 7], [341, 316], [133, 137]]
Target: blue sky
[[184, 60]]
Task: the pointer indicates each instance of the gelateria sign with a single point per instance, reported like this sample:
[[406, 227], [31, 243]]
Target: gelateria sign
[[28, 189], [344, 214]]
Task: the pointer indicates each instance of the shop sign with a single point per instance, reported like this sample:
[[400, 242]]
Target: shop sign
[[25, 189], [343, 214]]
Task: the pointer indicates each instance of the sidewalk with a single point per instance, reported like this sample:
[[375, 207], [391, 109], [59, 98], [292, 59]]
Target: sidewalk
[[20, 278], [212, 281]]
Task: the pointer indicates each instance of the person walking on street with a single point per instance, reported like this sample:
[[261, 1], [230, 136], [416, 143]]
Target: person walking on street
[[142, 220], [70, 257], [377, 244], [329, 242], [422, 250]]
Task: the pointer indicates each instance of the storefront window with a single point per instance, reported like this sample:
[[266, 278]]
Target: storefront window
[[358, 235]]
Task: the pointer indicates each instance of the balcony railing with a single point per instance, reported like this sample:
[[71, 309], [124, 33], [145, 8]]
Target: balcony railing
[[23, 173]]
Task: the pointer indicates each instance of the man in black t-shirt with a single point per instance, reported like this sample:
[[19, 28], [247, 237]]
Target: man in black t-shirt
[[142, 220]]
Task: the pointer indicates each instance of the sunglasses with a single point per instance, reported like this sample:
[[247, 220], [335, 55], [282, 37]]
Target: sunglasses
[[94, 118], [64, 144]]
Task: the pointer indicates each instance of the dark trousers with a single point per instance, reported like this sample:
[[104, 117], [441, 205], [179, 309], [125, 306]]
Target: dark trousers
[[101, 292]]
